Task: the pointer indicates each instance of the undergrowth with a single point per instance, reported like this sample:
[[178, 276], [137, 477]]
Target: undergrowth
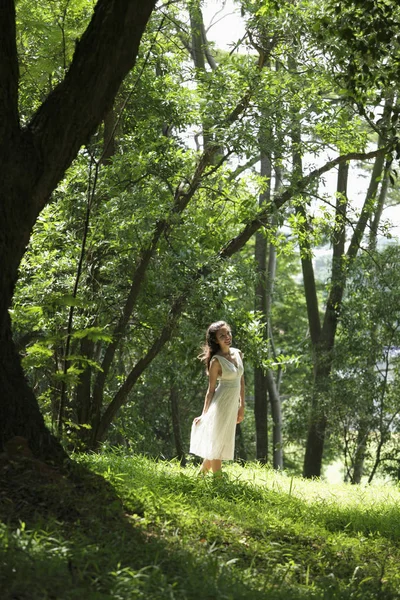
[[128, 527]]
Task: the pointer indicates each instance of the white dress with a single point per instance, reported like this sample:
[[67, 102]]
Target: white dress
[[213, 437]]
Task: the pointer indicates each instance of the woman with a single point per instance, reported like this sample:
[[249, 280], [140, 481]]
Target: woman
[[213, 433]]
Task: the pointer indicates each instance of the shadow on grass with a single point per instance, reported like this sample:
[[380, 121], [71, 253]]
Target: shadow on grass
[[71, 537]]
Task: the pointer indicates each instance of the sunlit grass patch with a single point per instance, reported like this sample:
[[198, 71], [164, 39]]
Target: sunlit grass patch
[[160, 531], [284, 529]]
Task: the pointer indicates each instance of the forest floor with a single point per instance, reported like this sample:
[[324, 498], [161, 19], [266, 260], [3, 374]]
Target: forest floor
[[126, 527]]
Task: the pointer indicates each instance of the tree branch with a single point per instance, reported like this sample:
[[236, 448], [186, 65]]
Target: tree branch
[[182, 196], [180, 302], [261, 220]]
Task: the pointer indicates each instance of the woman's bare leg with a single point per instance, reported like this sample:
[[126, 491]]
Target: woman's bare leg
[[206, 466], [216, 465]]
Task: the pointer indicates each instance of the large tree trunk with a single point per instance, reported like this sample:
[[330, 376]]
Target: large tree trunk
[[19, 413], [34, 160]]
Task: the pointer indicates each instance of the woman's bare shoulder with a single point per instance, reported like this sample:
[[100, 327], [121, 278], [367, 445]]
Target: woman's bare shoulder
[[237, 351], [215, 365]]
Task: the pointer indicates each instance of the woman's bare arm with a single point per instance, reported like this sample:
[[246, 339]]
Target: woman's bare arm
[[213, 374]]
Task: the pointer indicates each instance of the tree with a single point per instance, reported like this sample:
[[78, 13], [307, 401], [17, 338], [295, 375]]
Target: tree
[[309, 76], [366, 365], [35, 157]]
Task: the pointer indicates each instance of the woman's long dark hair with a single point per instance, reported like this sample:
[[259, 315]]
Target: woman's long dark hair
[[211, 347]]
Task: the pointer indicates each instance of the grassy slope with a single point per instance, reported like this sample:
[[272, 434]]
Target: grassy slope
[[158, 531]]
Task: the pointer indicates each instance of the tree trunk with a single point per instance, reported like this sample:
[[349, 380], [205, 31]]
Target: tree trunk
[[261, 414], [34, 160], [260, 381], [70, 324], [198, 55], [83, 389], [361, 449], [323, 338], [19, 413], [373, 234], [176, 424], [240, 447], [276, 414], [317, 419], [272, 380], [315, 445], [324, 345], [363, 426], [369, 209]]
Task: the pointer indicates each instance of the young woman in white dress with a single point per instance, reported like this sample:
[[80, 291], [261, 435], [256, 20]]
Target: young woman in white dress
[[213, 433]]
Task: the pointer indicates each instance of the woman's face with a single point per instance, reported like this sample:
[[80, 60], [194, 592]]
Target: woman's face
[[224, 336]]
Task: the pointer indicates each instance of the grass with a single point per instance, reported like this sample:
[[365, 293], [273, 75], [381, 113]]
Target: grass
[[128, 527]]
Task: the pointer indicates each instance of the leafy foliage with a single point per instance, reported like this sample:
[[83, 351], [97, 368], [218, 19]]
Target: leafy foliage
[[46, 37], [367, 369]]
